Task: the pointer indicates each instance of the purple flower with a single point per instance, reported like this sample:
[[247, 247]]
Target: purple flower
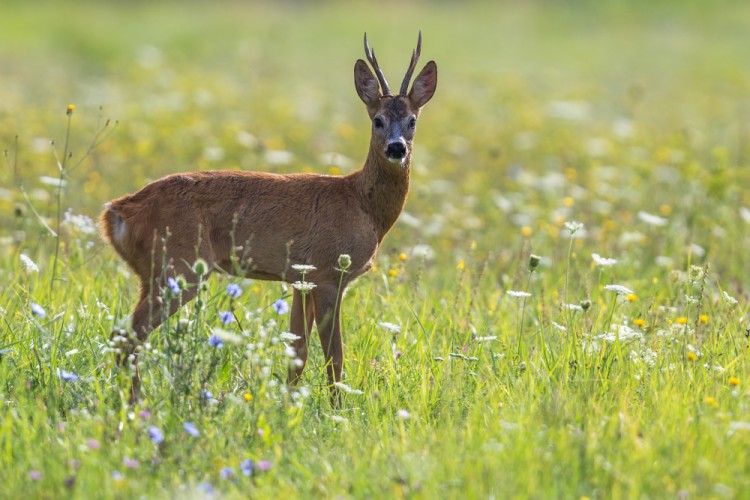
[[173, 285], [264, 465], [117, 475], [132, 463], [226, 473], [246, 466], [93, 444], [191, 429], [155, 434], [234, 290], [144, 414], [35, 475], [281, 307], [68, 376], [226, 317], [38, 310], [206, 489], [215, 341]]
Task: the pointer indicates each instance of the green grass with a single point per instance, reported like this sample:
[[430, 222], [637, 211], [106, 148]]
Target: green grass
[[544, 114]]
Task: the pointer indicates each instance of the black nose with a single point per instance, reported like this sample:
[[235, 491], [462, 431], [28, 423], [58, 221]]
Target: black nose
[[396, 150]]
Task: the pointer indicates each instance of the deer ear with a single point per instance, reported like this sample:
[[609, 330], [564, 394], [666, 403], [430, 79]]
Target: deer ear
[[424, 85], [365, 83]]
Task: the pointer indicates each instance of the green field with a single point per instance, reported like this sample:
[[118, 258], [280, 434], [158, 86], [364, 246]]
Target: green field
[[630, 119]]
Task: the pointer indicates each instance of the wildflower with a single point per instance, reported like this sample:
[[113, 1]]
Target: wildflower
[[68, 376], [35, 475], [631, 297], [692, 356], [174, 285], [215, 341], [526, 231], [603, 261], [246, 466], [703, 318], [70, 109], [28, 265], [117, 476], [585, 304], [711, 401], [155, 434], [640, 322], [200, 267], [682, 320], [403, 414], [191, 429], [520, 295], [347, 389], [393, 272], [93, 444], [226, 473], [534, 261], [206, 489], [247, 397], [345, 261], [38, 310], [281, 306], [131, 463], [303, 286], [619, 289], [264, 465], [652, 220], [734, 381], [144, 414], [289, 336], [303, 268], [391, 327], [234, 290], [402, 257], [573, 226], [226, 317], [729, 299], [461, 265], [695, 273]]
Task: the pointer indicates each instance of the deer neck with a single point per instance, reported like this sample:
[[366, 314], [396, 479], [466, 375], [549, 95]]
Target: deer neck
[[382, 188]]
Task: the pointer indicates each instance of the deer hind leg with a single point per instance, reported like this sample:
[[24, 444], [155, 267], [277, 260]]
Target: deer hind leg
[[327, 300], [301, 323], [155, 305]]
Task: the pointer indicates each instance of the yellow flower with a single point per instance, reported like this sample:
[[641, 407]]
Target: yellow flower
[[248, 397], [71, 108], [640, 322], [402, 257], [393, 273], [568, 201], [461, 265], [682, 320], [631, 297], [711, 401], [692, 356], [734, 381], [703, 318], [526, 231]]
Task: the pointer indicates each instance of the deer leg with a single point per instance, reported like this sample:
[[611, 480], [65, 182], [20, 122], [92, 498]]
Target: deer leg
[[327, 300], [149, 313], [301, 323]]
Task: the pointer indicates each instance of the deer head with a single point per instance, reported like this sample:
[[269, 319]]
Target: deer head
[[394, 117]]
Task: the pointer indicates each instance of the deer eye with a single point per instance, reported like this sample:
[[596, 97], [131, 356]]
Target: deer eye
[[412, 122], [378, 122]]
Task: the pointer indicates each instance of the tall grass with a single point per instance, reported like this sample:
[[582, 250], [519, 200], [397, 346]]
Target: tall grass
[[488, 354]]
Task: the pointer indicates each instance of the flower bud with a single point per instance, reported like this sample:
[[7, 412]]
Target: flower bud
[[344, 261], [534, 261]]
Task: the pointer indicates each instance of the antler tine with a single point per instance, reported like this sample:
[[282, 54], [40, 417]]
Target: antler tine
[[414, 58], [374, 62]]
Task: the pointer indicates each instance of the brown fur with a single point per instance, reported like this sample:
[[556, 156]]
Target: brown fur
[[255, 224]]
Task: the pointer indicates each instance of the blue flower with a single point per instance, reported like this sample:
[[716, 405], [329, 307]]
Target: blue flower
[[226, 473], [206, 489], [68, 376], [281, 307], [246, 466], [234, 290], [38, 310], [191, 429], [215, 341], [155, 434], [173, 285], [226, 317]]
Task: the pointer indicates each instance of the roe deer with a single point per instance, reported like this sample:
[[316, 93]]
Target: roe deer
[[276, 220]]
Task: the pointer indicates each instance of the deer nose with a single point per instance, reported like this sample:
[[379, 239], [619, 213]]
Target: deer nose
[[396, 150]]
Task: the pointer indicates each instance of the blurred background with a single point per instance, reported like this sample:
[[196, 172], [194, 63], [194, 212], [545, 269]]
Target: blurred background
[[545, 111]]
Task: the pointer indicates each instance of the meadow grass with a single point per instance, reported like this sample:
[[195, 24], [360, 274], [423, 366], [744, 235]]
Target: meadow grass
[[472, 367]]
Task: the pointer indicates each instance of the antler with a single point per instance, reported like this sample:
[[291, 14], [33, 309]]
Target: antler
[[414, 58], [374, 62]]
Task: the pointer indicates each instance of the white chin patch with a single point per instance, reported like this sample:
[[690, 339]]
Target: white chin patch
[[398, 161]]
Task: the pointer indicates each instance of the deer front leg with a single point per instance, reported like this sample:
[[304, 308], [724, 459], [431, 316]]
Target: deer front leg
[[301, 323], [327, 301]]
